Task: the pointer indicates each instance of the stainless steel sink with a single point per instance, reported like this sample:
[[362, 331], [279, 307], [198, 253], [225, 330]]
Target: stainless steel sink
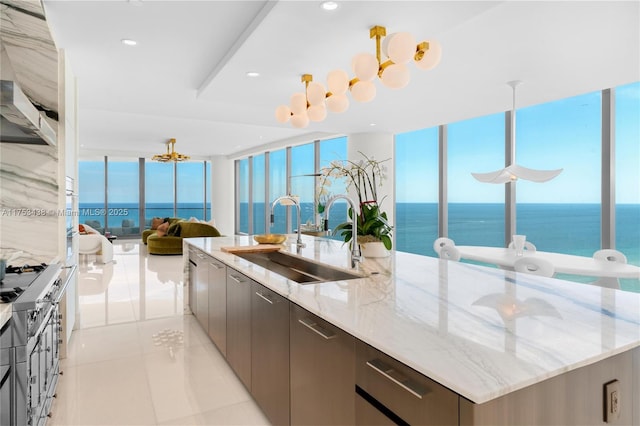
[[297, 269]]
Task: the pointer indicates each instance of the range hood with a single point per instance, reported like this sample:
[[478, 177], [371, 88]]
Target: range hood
[[21, 122]]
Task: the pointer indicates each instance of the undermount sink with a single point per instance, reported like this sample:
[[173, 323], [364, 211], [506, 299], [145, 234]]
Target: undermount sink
[[297, 269]]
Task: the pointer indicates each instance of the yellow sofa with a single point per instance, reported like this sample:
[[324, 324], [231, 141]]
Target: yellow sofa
[[172, 242]]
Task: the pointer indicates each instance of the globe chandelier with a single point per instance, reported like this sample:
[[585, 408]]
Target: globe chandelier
[[170, 155], [398, 49], [514, 171]]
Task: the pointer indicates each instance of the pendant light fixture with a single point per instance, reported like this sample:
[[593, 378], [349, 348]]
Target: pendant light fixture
[[170, 155], [513, 171], [389, 64]]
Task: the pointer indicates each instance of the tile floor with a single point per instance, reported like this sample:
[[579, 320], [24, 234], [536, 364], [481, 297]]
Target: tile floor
[[136, 359]]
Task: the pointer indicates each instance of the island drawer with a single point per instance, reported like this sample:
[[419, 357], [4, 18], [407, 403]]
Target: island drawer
[[401, 393]]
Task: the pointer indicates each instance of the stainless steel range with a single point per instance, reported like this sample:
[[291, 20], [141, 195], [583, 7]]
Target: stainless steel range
[[33, 349]]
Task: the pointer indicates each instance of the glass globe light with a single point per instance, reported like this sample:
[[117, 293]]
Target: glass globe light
[[298, 103], [363, 91], [338, 103], [317, 112], [300, 121], [315, 93], [338, 82], [365, 66], [283, 114], [399, 47], [396, 76], [431, 57]]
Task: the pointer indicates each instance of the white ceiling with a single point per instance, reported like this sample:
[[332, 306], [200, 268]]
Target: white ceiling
[[186, 78]]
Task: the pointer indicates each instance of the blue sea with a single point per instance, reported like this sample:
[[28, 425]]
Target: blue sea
[[562, 228]]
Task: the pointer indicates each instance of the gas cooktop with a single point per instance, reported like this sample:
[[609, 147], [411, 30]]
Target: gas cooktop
[[17, 279]]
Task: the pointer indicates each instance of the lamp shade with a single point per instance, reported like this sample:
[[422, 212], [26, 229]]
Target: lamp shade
[[338, 103], [338, 82], [365, 66], [431, 57], [283, 114], [363, 91], [396, 76], [298, 103], [300, 121], [315, 93], [317, 112], [399, 47]]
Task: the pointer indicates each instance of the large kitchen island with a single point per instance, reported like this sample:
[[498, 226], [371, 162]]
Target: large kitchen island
[[433, 341]]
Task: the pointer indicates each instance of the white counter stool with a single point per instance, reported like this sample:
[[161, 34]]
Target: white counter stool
[[441, 242], [609, 255], [535, 266]]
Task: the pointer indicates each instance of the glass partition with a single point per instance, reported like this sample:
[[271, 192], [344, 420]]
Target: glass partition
[[159, 191], [91, 194], [303, 163], [243, 195], [190, 190], [258, 188], [277, 188], [123, 199]]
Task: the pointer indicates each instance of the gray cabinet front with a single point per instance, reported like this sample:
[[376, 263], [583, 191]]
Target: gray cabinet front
[[239, 325], [202, 291], [218, 304], [193, 276], [270, 353], [322, 371]]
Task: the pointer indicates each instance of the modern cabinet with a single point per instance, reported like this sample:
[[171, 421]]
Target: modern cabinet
[[322, 371], [199, 287], [217, 303], [270, 353], [389, 392], [239, 325]]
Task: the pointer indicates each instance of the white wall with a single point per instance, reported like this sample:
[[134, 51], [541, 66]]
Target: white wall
[[222, 194]]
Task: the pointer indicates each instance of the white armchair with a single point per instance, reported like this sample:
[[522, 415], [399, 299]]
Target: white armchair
[[96, 244]]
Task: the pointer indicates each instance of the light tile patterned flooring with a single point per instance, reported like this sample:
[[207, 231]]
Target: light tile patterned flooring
[[136, 359]]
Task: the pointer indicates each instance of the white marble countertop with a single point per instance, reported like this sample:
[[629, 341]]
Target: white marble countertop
[[481, 332], [5, 313]]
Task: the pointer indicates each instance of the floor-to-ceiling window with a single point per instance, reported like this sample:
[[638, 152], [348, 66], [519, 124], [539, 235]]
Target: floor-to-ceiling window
[[416, 180], [332, 150], [190, 194], [627, 160], [563, 214], [476, 209], [278, 188], [123, 199], [258, 191], [243, 195], [303, 163], [91, 193], [111, 198]]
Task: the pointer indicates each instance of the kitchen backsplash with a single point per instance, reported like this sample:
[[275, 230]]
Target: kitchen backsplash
[[29, 202]]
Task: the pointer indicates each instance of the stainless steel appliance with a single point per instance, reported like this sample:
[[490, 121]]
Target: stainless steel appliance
[[33, 349]]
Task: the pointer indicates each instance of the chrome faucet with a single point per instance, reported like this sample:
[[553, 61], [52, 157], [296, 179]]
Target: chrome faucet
[[356, 256], [294, 200]]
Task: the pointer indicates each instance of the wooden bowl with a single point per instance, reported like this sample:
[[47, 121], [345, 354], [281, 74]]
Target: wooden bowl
[[270, 238]]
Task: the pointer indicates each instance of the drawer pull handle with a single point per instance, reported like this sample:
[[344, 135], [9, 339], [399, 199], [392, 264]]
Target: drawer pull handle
[[317, 329], [396, 377], [262, 296], [215, 265], [236, 279]]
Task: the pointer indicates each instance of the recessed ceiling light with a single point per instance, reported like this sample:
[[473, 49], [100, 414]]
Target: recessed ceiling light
[[372, 124], [329, 5], [129, 42], [253, 74]]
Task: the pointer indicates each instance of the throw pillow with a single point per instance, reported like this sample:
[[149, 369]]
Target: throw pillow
[[81, 229], [155, 222], [162, 229], [174, 229], [193, 219]]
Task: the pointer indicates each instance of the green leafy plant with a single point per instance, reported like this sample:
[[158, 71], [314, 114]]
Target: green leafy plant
[[364, 176]]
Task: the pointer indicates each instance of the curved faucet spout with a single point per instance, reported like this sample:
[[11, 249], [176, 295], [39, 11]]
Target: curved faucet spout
[[295, 202], [356, 256]]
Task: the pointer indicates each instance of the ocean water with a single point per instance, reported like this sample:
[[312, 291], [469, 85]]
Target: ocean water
[[562, 228]]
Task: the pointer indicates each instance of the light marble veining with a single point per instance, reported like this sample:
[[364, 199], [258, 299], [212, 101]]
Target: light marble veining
[[5, 313], [29, 202], [27, 39], [481, 332]]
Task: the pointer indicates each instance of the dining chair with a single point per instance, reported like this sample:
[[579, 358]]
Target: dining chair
[[441, 242], [528, 246], [609, 255], [448, 252], [535, 266]]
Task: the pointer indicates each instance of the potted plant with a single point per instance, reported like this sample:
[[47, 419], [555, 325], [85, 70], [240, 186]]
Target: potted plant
[[364, 177]]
